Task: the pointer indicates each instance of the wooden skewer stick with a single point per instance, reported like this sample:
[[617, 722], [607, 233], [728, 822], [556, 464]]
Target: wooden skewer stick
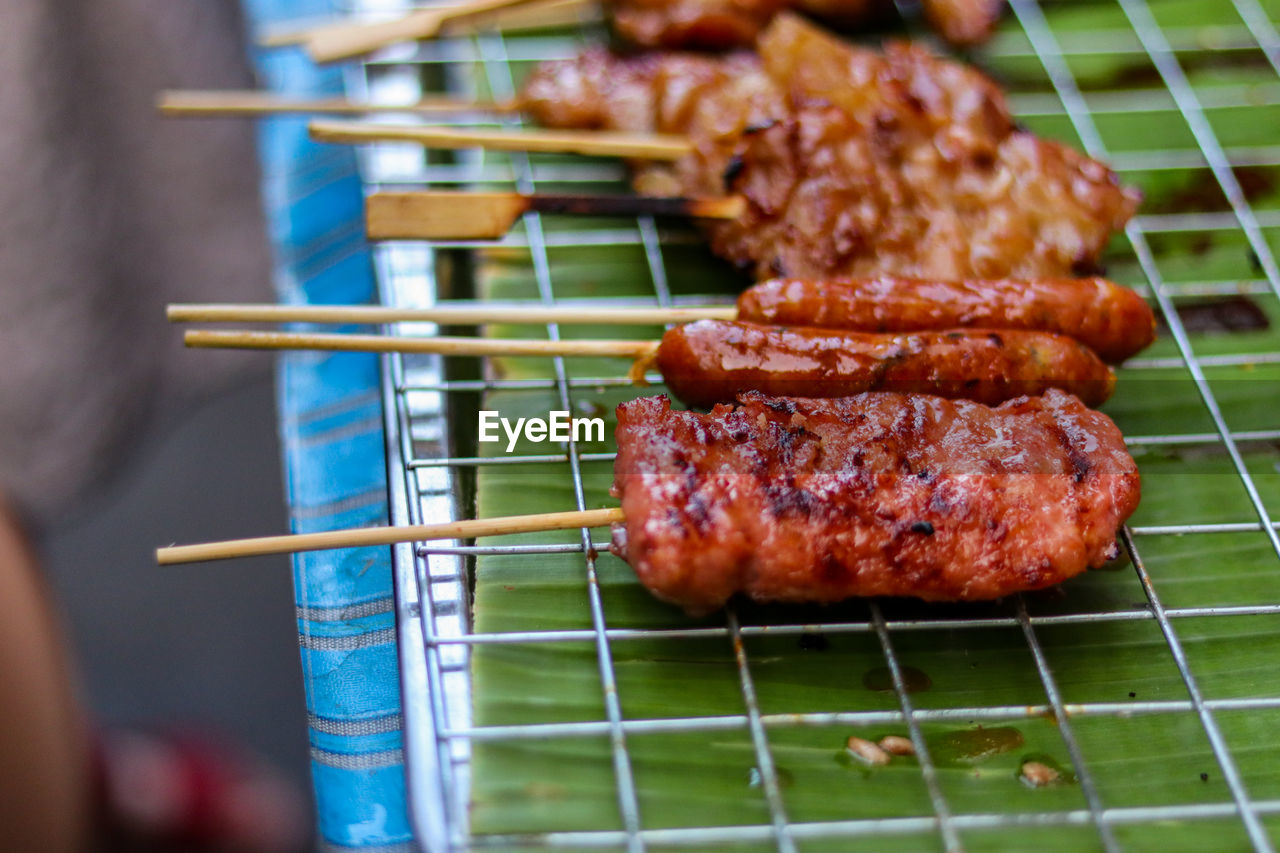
[[366, 536], [535, 15], [248, 102], [639, 350], [448, 314], [333, 43], [488, 216], [642, 146]]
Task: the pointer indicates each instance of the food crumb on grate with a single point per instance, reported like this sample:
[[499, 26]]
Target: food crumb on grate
[[1038, 775], [866, 751], [897, 745]]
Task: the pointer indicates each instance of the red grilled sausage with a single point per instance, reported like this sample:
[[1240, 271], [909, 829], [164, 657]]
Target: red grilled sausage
[[712, 361], [1112, 320]]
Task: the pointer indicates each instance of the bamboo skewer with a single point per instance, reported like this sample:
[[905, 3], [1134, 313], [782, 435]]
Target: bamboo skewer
[[534, 15], [642, 146], [337, 42], [638, 350], [447, 314], [233, 102], [367, 536], [490, 215]]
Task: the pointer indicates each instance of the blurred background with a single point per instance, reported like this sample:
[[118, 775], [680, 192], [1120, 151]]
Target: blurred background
[[113, 439]]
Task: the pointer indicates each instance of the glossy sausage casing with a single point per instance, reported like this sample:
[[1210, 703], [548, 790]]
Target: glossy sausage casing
[[1111, 320], [712, 361]]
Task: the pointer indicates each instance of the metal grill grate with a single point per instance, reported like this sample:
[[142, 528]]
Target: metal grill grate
[[429, 470]]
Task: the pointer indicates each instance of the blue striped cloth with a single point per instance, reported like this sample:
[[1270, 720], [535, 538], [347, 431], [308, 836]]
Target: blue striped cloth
[[334, 464]]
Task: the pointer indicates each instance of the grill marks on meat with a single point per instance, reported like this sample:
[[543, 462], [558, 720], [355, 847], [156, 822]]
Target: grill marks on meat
[[1112, 320], [879, 494], [724, 24], [853, 162], [711, 361]]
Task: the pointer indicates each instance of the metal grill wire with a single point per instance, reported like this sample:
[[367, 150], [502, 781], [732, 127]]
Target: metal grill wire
[[419, 397]]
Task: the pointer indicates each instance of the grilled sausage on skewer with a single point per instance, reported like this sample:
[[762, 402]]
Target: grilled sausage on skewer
[[712, 361], [1112, 320]]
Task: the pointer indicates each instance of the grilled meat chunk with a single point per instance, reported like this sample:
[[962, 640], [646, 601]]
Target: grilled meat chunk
[[712, 361], [691, 24], [964, 23], [724, 24], [801, 500], [853, 162], [1111, 320]]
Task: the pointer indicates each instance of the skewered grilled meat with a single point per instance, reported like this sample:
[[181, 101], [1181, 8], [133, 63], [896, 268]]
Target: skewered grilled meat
[[1112, 320], [723, 24], [880, 494], [691, 24], [711, 361], [853, 162], [963, 22]]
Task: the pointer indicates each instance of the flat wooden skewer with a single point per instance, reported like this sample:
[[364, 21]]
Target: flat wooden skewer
[[250, 102], [490, 215], [448, 314], [366, 536], [641, 146]]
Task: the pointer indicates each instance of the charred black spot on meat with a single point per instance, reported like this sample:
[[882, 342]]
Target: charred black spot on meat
[[675, 520], [996, 339], [1083, 267], [760, 126], [941, 504], [781, 405], [1080, 464], [832, 570], [922, 527], [732, 171], [701, 435], [699, 514], [786, 499]]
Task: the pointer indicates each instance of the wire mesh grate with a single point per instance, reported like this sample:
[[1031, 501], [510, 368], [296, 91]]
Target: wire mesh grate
[[431, 467]]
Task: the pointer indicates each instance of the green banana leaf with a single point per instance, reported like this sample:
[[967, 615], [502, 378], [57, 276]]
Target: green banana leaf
[[1161, 758]]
